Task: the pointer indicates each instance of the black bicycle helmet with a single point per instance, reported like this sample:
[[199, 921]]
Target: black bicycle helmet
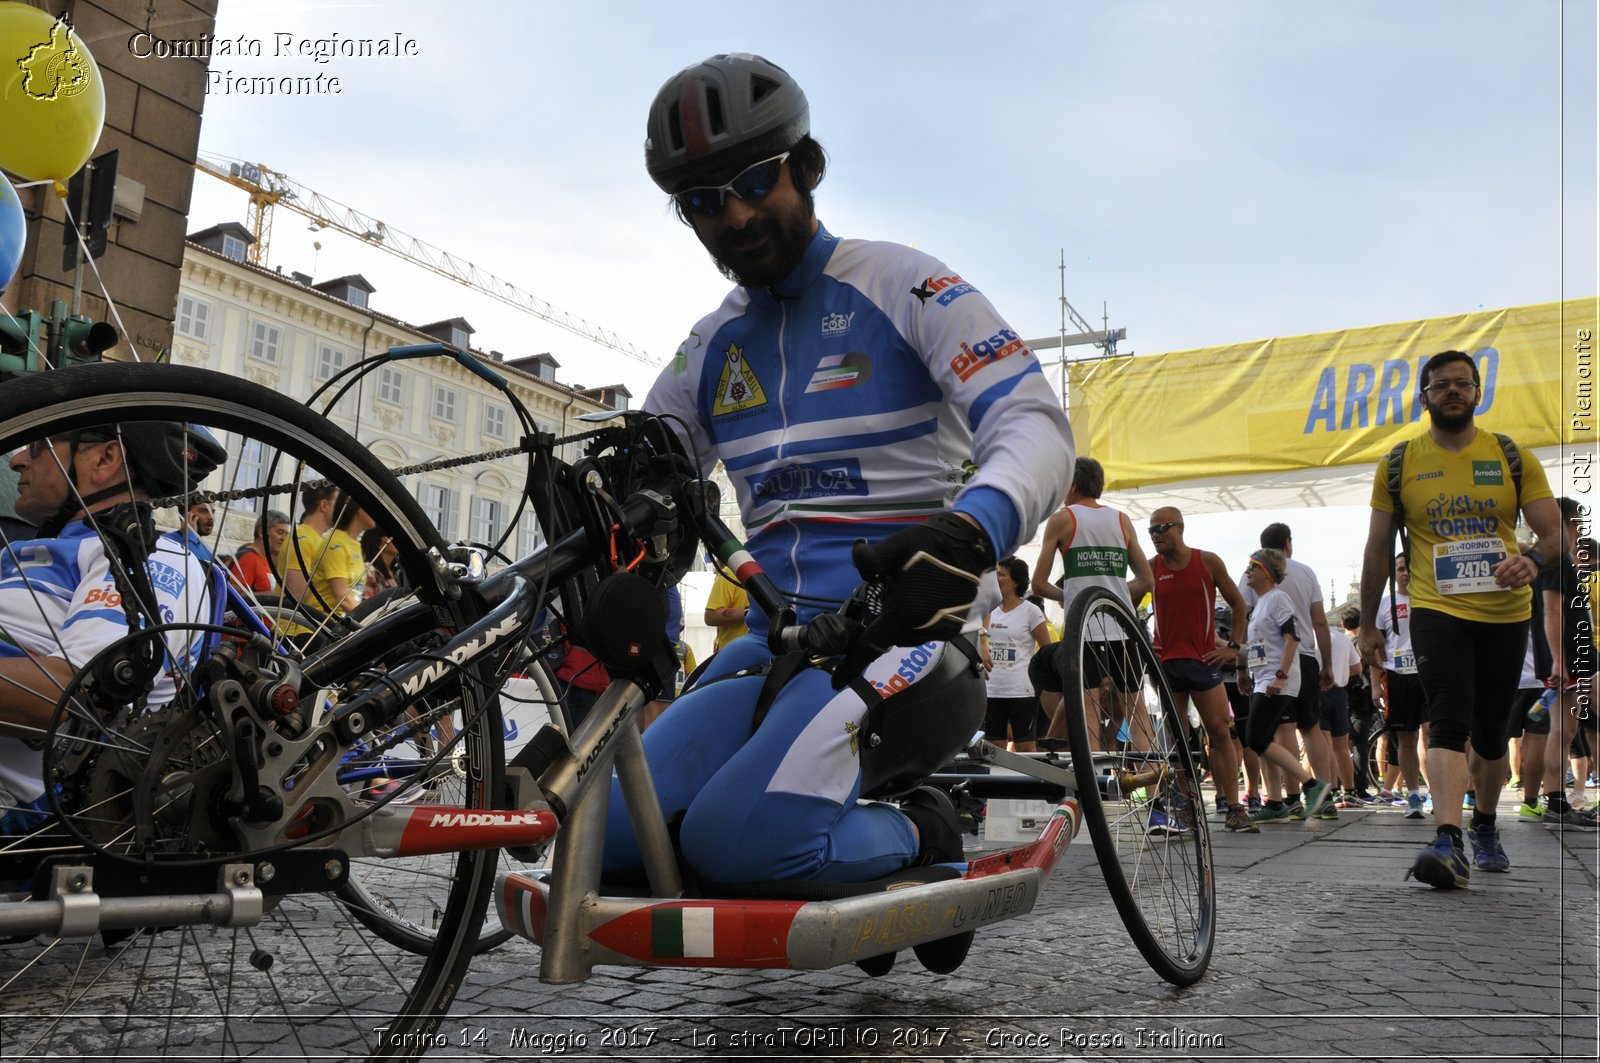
[[168, 457], [712, 119]]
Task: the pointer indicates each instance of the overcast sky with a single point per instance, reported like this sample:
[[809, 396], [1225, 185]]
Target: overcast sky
[[1214, 171]]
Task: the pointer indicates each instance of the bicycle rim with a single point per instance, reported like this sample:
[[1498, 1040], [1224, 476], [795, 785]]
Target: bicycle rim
[[405, 902], [1149, 828], [214, 990]]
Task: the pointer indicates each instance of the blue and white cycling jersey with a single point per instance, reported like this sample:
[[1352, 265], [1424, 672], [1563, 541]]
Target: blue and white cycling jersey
[[57, 599], [845, 400]]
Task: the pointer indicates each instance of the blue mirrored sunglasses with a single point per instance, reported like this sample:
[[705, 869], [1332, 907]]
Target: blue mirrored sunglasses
[[754, 182]]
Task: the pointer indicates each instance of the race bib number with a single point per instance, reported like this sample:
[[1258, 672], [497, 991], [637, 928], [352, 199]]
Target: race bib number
[[1255, 655], [1466, 566], [1002, 654], [1404, 663]]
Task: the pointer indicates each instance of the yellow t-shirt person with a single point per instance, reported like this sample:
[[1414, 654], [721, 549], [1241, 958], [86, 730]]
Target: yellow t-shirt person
[[1461, 515], [725, 594]]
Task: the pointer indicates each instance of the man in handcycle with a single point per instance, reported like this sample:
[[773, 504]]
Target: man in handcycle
[[842, 383], [61, 595]]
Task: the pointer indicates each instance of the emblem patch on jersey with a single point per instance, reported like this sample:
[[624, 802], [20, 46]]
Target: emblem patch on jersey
[[948, 289], [840, 371], [738, 389], [1488, 474], [836, 324]]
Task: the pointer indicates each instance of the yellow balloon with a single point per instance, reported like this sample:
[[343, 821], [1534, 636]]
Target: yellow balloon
[[52, 98]]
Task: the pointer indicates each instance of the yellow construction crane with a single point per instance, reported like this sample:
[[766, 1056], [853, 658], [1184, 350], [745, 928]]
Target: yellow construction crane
[[268, 189]]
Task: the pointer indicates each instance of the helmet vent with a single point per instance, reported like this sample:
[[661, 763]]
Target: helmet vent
[[714, 112], [760, 88], [675, 129]]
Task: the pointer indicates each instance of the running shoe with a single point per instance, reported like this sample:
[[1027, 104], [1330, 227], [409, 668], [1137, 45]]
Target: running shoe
[[1297, 811], [1327, 811], [1253, 803], [1161, 822], [1365, 797], [1222, 805], [1414, 805], [1317, 796], [1241, 821], [1572, 819], [1469, 802], [1269, 814], [1387, 796], [1530, 810], [1347, 800], [1487, 853], [1442, 866]]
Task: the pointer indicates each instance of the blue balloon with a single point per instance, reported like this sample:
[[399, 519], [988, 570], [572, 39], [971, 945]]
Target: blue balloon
[[13, 232]]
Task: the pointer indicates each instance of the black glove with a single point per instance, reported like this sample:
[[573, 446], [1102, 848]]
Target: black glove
[[931, 572]]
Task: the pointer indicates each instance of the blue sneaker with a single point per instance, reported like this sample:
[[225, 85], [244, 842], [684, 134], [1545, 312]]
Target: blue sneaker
[[1163, 821], [1469, 802], [1414, 804], [1487, 854], [1442, 866]]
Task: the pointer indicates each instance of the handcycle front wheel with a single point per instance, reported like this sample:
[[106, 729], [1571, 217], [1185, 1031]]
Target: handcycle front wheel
[[206, 990], [1141, 795]]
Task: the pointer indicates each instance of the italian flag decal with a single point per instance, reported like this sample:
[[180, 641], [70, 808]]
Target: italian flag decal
[[683, 932]]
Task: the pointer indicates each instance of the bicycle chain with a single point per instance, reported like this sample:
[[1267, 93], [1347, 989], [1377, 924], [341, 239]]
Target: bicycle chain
[[181, 501]]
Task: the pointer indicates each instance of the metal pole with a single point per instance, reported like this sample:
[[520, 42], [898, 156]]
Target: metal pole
[[77, 245]]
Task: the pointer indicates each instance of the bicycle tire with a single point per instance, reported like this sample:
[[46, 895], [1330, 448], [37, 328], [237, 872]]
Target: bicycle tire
[[1163, 884], [419, 994]]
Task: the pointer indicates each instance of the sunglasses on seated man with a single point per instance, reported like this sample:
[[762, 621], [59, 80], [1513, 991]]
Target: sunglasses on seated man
[[755, 182]]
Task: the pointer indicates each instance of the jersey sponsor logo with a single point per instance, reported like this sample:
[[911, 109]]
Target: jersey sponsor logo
[[817, 479], [738, 389], [911, 665], [1434, 475], [106, 596], [836, 324], [840, 371], [975, 356], [1488, 474], [948, 289], [165, 577]]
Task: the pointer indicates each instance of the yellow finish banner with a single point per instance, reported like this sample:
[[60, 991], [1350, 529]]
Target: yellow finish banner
[[1328, 399]]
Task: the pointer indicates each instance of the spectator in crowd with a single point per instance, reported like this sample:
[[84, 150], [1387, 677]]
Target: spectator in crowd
[[199, 520], [251, 568], [1528, 728], [1398, 692], [1344, 664], [1010, 634], [1301, 585], [1239, 706], [1568, 631], [1273, 672], [379, 553], [1098, 548], [304, 553], [726, 608], [1187, 582]]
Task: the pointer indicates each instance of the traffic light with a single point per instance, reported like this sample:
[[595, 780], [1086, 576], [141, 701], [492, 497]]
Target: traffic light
[[78, 339], [19, 341]]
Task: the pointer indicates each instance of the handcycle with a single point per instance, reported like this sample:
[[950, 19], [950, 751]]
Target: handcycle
[[193, 882]]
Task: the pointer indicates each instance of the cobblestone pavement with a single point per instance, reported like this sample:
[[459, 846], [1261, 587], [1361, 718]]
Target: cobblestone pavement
[[1324, 951]]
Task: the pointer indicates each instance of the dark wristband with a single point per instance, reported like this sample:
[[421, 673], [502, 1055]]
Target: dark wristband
[[1281, 674], [1535, 556]]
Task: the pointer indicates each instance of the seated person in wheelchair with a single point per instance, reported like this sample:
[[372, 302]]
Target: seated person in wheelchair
[[61, 595], [843, 384]]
